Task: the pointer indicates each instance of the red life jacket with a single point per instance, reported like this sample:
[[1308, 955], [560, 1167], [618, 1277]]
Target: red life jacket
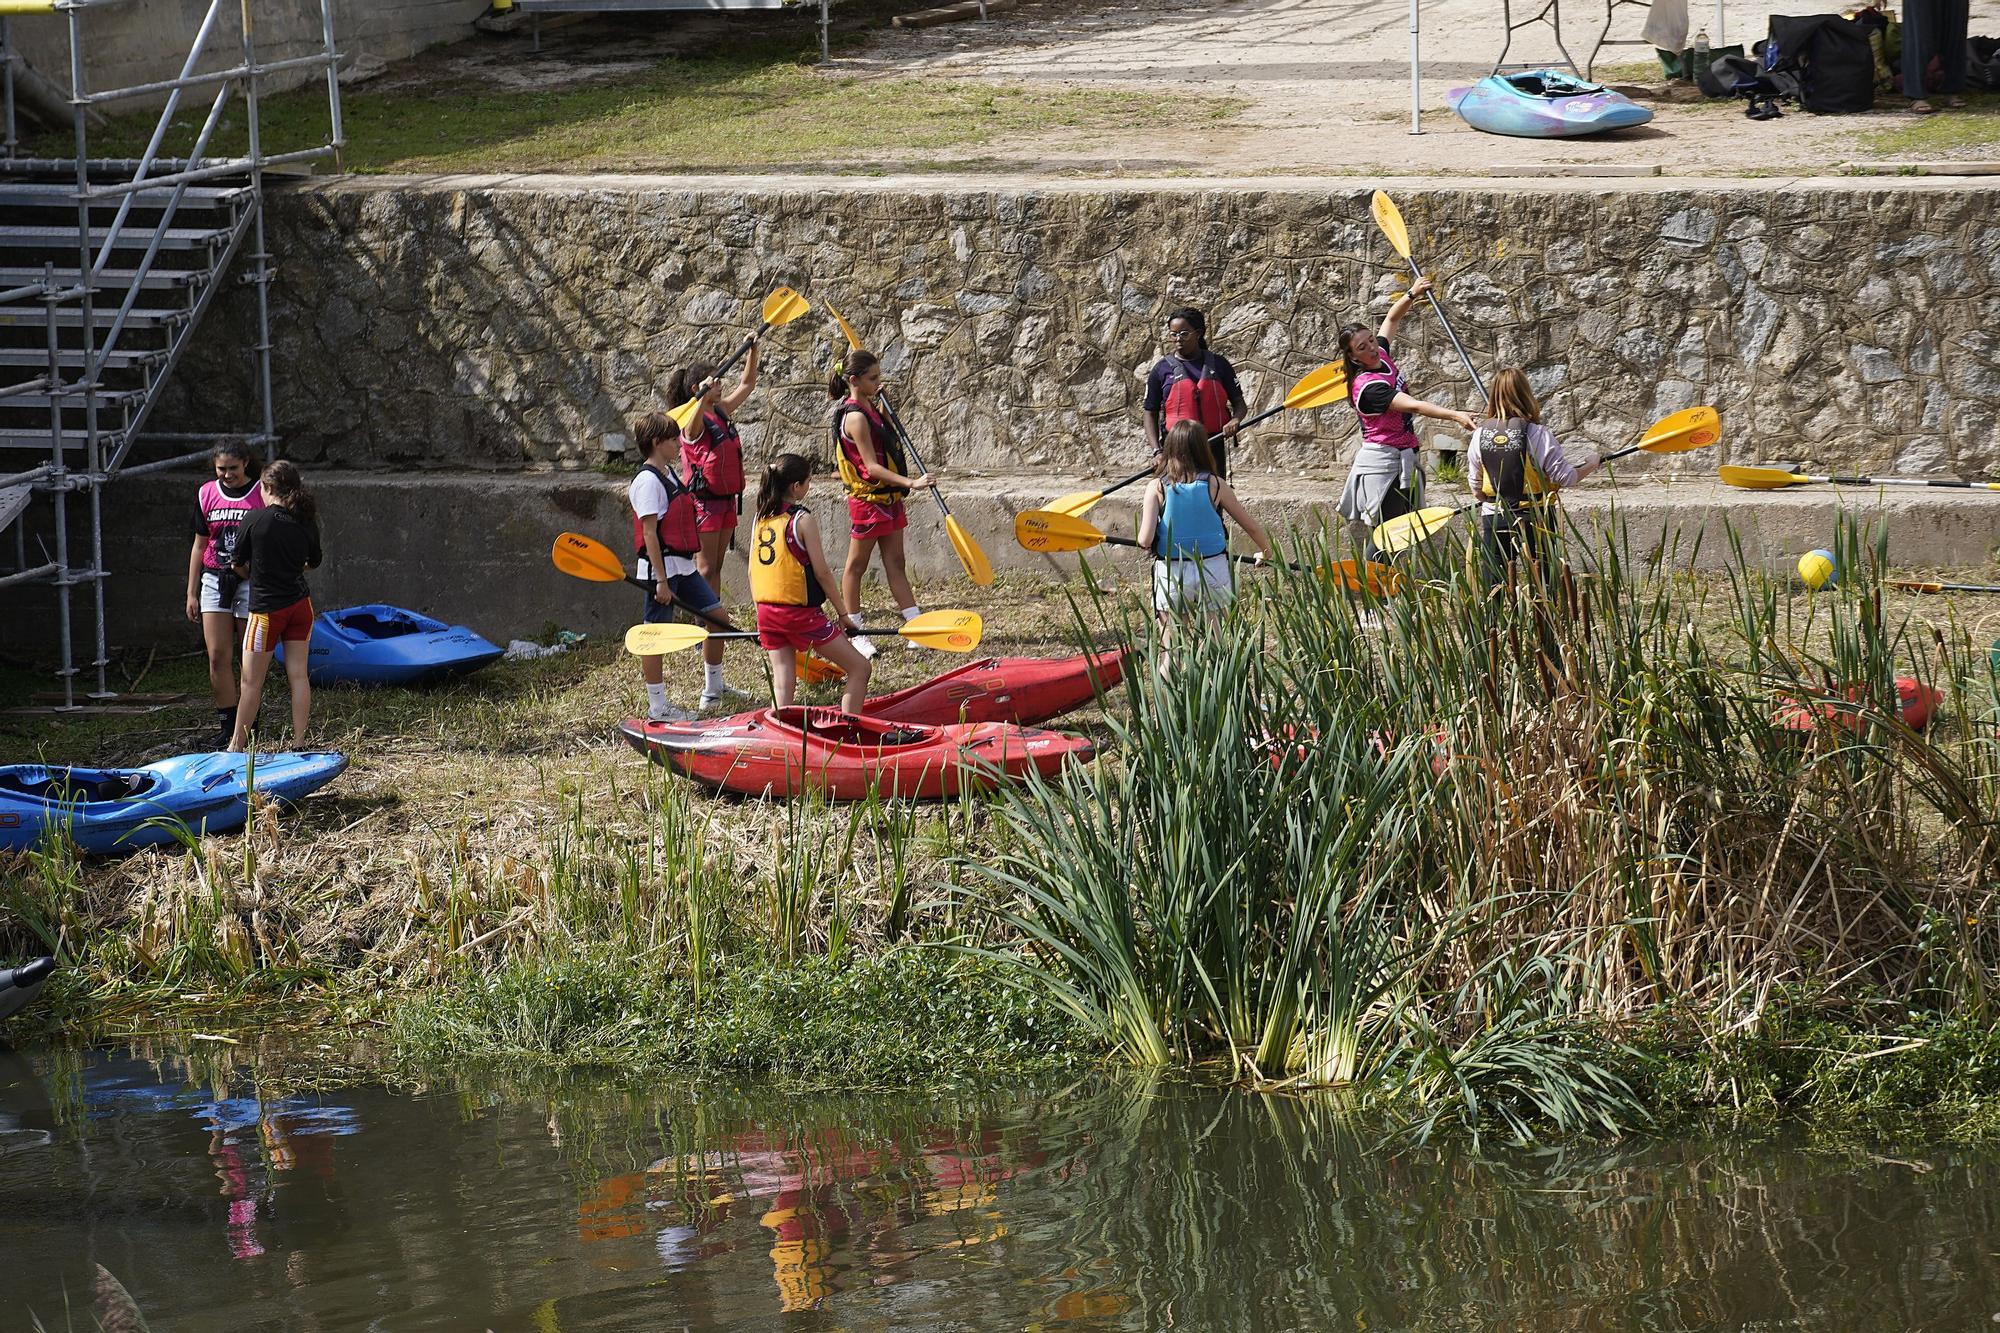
[[860, 482], [718, 454], [680, 533], [1190, 399]]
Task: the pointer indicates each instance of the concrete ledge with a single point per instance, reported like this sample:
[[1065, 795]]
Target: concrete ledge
[[474, 549]]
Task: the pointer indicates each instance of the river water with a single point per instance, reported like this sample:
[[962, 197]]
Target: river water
[[221, 1204]]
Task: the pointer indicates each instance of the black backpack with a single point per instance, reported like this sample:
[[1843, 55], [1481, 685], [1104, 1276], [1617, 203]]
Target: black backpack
[[1830, 58]]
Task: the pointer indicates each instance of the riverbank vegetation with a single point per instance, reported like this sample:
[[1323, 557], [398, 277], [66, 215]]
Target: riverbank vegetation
[[1510, 865]]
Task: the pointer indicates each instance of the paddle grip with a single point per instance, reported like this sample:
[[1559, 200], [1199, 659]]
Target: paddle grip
[[742, 350]]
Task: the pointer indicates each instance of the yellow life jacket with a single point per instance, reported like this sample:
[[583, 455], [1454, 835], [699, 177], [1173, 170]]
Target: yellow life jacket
[[781, 574]]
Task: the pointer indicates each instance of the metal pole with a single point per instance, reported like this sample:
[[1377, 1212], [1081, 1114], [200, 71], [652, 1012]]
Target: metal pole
[[825, 37], [1718, 22], [332, 84], [1416, 77], [59, 483], [7, 48], [262, 259]]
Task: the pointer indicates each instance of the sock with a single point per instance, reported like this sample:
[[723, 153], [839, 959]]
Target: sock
[[656, 695], [712, 677], [226, 717], [912, 612]]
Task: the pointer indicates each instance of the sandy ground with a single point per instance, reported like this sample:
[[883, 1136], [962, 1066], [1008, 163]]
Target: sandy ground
[[1326, 86]]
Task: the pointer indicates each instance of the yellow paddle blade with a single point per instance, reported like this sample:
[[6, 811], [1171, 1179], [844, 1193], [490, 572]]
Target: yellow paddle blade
[[1326, 385], [1760, 478], [816, 670], [783, 306], [1076, 504], [586, 558], [1694, 428], [653, 640], [977, 567], [1406, 530], [846, 329], [1356, 575], [953, 631], [1390, 219], [1040, 530], [684, 415], [1914, 585]]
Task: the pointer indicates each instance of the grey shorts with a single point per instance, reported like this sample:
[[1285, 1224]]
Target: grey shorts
[[211, 596]]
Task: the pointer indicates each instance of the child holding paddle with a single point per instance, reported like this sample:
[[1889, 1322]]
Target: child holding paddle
[[1515, 464], [1385, 480], [712, 457], [1180, 521], [790, 580], [666, 537], [1193, 383], [874, 469]]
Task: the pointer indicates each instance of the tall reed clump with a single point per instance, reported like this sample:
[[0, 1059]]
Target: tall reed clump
[[1446, 857]]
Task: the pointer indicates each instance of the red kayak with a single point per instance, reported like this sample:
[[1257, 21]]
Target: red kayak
[[1022, 690], [1916, 701], [784, 751]]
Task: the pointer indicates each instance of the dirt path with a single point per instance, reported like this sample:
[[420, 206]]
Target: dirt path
[[1324, 87]]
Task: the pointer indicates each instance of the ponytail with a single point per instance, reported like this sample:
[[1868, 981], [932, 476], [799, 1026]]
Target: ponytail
[[780, 475], [685, 383], [858, 363], [288, 491]]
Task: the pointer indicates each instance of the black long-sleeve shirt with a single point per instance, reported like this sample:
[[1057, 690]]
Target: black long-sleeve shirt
[[274, 550]]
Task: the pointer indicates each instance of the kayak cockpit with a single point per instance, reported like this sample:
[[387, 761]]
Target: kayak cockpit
[[78, 786]]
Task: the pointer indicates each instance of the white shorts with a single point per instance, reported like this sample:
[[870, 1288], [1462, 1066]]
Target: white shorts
[[1192, 585], [211, 596]]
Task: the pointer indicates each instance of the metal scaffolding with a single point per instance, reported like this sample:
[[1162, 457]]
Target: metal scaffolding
[[110, 336]]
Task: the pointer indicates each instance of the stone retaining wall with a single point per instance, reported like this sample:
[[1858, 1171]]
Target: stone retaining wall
[[511, 323]]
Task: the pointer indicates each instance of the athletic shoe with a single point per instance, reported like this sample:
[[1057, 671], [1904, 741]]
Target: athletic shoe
[[668, 713], [1371, 620], [728, 694]]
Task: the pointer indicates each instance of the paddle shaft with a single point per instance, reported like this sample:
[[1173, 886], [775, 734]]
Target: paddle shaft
[[1950, 483], [1911, 585], [742, 350], [1110, 540], [679, 605], [916, 459], [1449, 332]]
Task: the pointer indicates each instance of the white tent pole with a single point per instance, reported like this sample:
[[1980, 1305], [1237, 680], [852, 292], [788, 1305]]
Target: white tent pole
[[1718, 22], [1416, 78]]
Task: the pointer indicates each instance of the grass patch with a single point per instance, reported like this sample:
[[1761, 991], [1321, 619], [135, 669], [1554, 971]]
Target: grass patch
[[749, 98], [1947, 134]]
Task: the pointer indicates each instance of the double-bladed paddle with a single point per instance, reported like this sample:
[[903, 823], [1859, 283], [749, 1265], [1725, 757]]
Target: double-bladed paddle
[[970, 557], [1691, 428], [949, 631], [1777, 478], [780, 307], [1325, 385], [1918, 585], [1046, 531], [1390, 219], [587, 558]]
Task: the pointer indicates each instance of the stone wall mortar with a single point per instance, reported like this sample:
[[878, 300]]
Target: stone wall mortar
[[510, 325]]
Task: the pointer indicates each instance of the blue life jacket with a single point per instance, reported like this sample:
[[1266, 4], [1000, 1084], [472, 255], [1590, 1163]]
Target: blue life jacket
[[1190, 525]]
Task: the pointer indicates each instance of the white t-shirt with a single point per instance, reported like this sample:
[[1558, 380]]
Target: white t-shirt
[[648, 497]]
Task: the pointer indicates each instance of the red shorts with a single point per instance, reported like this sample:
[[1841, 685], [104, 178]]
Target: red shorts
[[287, 624], [797, 627], [717, 515], [868, 520]]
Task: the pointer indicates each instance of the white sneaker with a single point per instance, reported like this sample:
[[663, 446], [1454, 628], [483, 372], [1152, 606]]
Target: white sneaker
[[728, 694], [668, 713], [1371, 620]]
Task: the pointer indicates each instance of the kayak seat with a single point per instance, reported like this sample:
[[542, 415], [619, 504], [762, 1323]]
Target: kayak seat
[[378, 627], [900, 736], [69, 789]]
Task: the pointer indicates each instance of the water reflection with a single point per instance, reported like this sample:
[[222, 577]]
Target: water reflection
[[1103, 1206]]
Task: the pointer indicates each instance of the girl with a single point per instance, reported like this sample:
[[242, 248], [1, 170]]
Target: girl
[[1384, 480], [1514, 463], [217, 600], [790, 578], [712, 459], [274, 549], [666, 537], [1181, 521], [874, 470], [1192, 383]]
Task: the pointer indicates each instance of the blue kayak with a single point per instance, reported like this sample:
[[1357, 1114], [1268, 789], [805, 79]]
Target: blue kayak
[[1544, 104], [107, 809], [386, 645]]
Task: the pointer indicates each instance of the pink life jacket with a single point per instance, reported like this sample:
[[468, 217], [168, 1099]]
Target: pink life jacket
[[680, 530], [1190, 399], [1389, 430], [718, 453], [223, 517]]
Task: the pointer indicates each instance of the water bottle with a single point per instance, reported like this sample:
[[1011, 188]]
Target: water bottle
[[1702, 59]]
